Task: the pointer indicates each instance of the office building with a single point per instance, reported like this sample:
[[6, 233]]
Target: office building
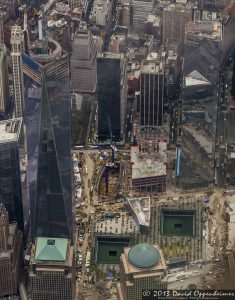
[[51, 273], [112, 89], [47, 119], [11, 159], [152, 93], [2, 15], [173, 22], [154, 26], [83, 61], [35, 3], [11, 253], [212, 5], [141, 9], [4, 83], [74, 3], [201, 71], [142, 267], [17, 48]]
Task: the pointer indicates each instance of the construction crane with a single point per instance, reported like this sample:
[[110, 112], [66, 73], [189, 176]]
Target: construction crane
[[109, 165]]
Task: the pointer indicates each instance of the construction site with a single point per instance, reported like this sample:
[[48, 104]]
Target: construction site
[[109, 172], [148, 171]]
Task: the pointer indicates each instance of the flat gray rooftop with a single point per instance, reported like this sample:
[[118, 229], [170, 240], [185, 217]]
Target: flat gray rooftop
[[10, 130]]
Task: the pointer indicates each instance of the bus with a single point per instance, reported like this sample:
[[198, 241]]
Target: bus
[[78, 147]]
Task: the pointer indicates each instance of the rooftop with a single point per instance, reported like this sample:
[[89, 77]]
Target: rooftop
[[51, 249], [10, 130], [111, 55], [149, 161], [144, 256], [208, 29], [196, 78], [141, 208]]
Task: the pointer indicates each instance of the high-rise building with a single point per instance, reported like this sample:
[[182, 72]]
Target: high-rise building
[[141, 9], [35, 3], [11, 158], [212, 5], [152, 84], [48, 134], [174, 19], [51, 273], [201, 71], [4, 83], [112, 89], [17, 48], [142, 267], [2, 27], [10, 7], [11, 253], [74, 3], [83, 61]]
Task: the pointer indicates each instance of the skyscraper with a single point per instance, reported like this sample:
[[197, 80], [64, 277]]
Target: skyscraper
[[11, 156], [199, 94], [52, 269], [174, 20], [142, 267], [152, 83], [47, 118], [2, 15], [213, 5], [4, 84], [11, 253], [35, 3], [74, 3], [17, 48], [83, 61], [111, 73], [141, 9]]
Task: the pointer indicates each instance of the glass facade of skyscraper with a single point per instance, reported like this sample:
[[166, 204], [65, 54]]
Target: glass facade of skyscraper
[[11, 152], [108, 77], [47, 117]]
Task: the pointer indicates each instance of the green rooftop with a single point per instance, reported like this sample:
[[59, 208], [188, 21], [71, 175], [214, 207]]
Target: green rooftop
[[51, 249]]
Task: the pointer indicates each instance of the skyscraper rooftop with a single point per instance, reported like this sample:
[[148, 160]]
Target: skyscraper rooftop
[[10, 130], [49, 249]]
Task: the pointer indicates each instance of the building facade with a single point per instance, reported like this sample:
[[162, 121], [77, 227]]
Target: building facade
[[201, 71], [17, 48], [11, 158], [152, 93], [173, 22], [11, 253], [112, 89], [83, 61], [47, 119], [213, 5], [4, 83], [51, 273], [141, 9], [2, 19], [142, 267]]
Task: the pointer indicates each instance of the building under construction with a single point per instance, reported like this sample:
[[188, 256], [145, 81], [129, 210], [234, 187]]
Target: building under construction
[[148, 169]]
